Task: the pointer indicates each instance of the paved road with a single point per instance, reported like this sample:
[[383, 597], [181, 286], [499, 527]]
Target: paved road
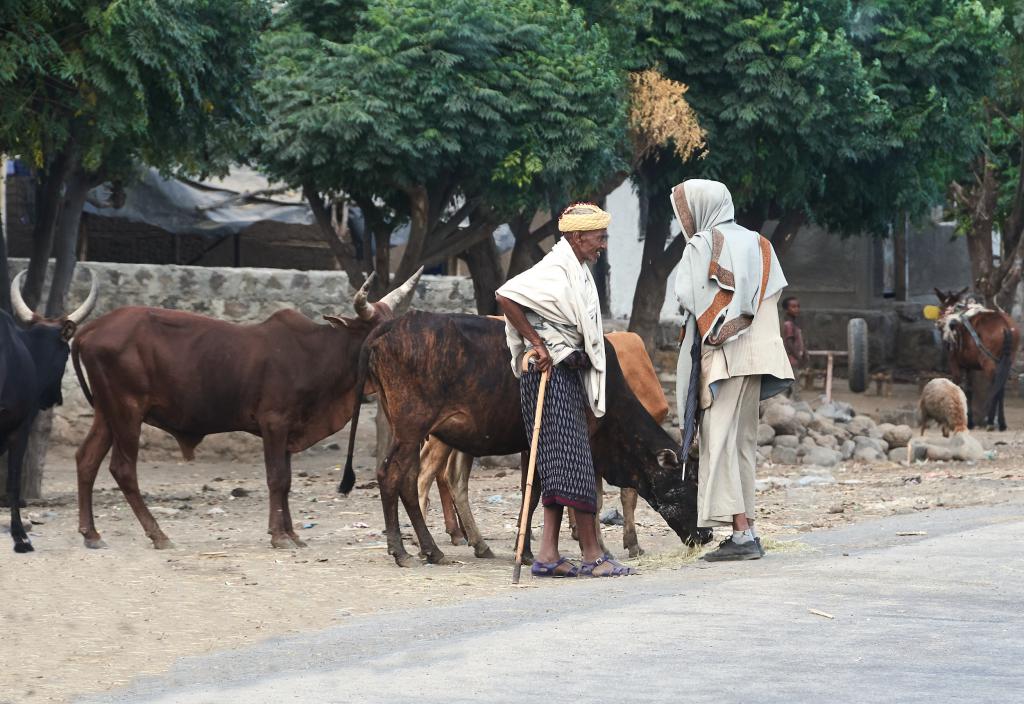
[[918, 618]]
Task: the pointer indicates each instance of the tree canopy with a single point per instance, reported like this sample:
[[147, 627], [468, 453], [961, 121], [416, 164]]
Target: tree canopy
[[441, 110], [92, 87]]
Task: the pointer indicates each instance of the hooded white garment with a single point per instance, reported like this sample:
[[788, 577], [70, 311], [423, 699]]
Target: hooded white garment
[[561, 292], [725, 274]]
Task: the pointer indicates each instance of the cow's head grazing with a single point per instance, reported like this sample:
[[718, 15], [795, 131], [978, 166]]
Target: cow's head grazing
[[372, 314], [633, 450], [675, 496], [47, 339]]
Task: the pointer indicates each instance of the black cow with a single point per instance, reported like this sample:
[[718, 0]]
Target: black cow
[[450, 376], [32, 362]]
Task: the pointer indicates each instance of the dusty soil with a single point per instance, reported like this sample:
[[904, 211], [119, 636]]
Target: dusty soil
[[87, 620]]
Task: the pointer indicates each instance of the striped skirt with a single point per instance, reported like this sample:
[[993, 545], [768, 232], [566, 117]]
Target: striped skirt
[[564, 462]]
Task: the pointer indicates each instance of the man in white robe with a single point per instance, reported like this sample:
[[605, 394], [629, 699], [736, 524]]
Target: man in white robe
[[732, 356]]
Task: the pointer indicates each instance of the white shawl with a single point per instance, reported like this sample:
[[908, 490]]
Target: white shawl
[[560, 289]]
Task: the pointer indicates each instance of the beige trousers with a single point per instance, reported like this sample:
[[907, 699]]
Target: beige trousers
[[728, 453]]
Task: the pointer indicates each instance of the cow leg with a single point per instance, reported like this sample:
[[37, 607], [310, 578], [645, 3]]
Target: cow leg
[[15, 459], [597, 517], [410, 499], [124, 469], [287, 513], [389, 481], [88, 459], [279, 483], [459, 466], [629, 539], [434, 455], [452, 525]]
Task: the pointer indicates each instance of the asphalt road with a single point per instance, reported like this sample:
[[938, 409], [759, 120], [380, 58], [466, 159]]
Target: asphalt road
[[938, 617]]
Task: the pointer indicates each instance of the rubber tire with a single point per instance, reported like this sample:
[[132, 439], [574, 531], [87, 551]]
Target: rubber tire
[[857, 354]]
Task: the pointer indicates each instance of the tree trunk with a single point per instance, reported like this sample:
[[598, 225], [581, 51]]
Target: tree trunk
[[50, 198], [343, 251], [656, 265], [76, 189], [419, 225], [527, 251], [485, 269], [66, 241], [899, 258], [785, 232], [978, 203], [35, 456]]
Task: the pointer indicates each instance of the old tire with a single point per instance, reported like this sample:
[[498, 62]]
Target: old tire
[[857, 354]]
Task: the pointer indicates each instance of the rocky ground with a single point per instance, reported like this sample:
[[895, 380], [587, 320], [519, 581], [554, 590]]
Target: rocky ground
[[85, 621]]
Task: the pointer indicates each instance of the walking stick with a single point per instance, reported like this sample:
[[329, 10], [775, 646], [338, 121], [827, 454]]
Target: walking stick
[[524, 514]]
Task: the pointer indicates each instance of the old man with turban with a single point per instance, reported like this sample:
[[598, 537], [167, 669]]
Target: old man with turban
[[552, 311], [732, 356]]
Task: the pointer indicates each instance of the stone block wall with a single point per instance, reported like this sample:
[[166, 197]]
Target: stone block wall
[[238, 295]]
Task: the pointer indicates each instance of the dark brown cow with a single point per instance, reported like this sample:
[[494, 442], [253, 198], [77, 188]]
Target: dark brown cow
[[450, 376], [287, 380], [999, 338]]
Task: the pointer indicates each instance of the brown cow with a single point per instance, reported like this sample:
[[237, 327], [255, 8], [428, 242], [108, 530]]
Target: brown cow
[[287, 380], [450, 376], [453, 481], [979, 339]]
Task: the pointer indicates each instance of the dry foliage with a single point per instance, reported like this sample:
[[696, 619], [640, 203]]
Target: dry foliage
[[660, 116]]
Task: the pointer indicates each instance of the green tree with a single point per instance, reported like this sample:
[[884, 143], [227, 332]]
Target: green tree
[[440, 113], [989, 194], [781, 93], [90, 88]]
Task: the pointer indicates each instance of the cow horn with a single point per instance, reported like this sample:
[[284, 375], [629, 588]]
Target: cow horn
[[82, 312], [21, 311], [399, 298], [363, 309]]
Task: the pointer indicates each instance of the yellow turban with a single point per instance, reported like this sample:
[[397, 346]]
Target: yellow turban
[[582, 217]]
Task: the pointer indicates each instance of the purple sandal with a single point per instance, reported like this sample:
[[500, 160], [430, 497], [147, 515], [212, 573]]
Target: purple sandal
[[548, 569], [617, 570]]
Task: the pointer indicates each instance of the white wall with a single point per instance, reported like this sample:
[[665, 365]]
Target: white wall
[[625, 251]]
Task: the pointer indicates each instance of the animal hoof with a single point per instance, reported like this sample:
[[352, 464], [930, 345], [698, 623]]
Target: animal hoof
[[95, 544], [459, 540], [23, 547], [163, 544], [299, 542], [635, 551], [527, 558], [282, 542], [406, 560], [438, 558], [483, 551]]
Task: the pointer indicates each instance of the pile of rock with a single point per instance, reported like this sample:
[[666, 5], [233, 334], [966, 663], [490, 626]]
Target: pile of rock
[[829, 433]]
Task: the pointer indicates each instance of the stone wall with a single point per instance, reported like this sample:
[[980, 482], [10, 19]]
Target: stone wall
[[238, 295]]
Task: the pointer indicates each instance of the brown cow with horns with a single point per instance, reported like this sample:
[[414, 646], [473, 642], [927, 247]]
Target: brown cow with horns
[[287, 380]]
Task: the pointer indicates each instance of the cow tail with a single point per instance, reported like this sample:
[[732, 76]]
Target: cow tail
[[348, 480], [1005, 361], [78, 372]]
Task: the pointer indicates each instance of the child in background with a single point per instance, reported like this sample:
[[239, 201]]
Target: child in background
[[793, 339]]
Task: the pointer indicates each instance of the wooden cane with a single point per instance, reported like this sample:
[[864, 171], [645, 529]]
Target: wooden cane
[[524, 514]]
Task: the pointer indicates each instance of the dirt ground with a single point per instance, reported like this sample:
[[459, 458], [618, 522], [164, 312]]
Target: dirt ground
[[83, 621]]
